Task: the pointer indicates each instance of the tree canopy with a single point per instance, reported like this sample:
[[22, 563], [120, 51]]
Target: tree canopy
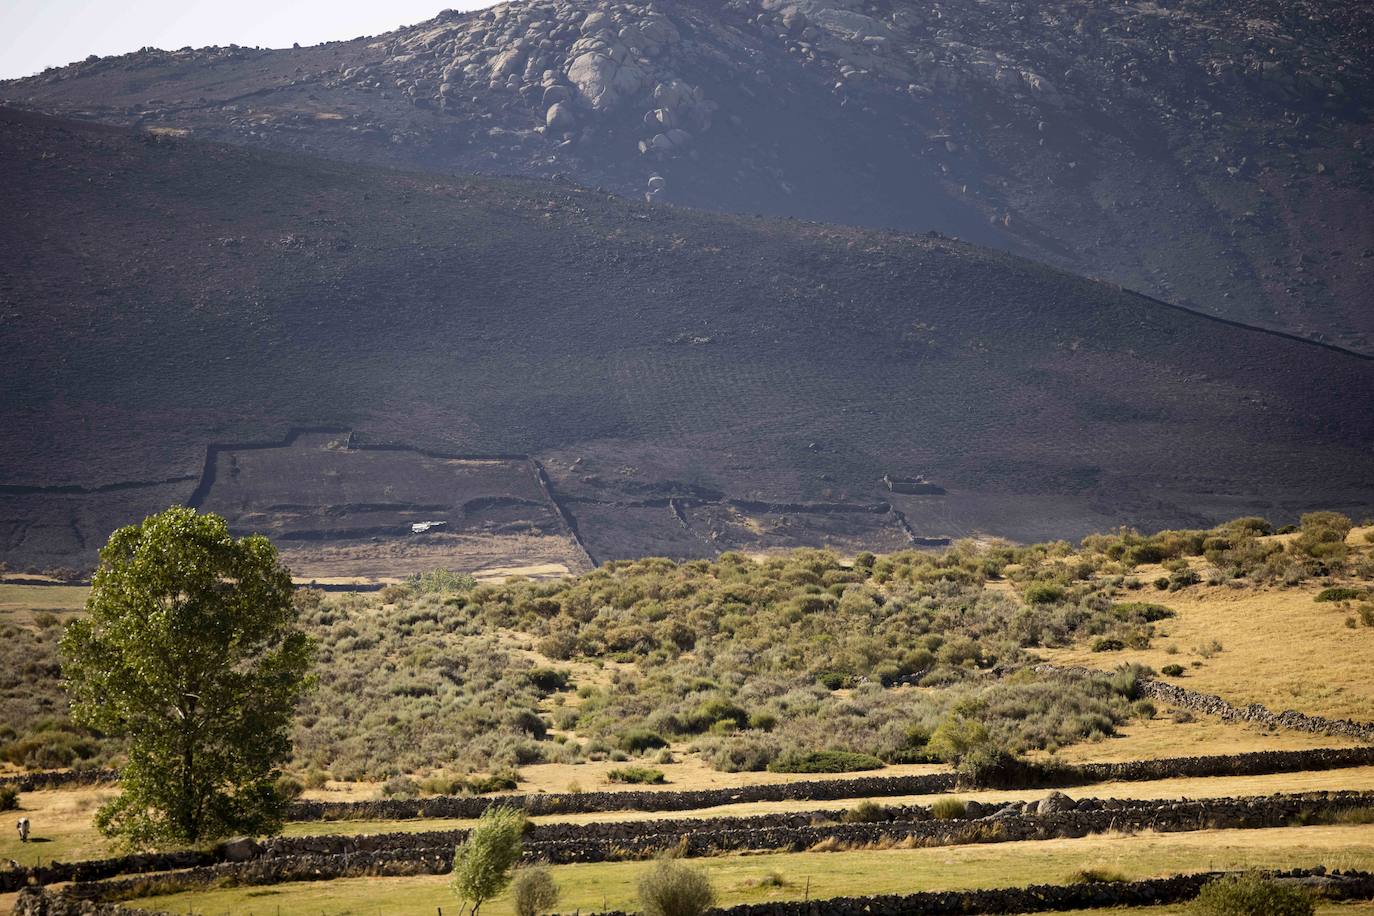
[[190, 650], [483, 863]]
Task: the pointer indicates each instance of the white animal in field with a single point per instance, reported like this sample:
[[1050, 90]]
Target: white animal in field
[[23, 830]]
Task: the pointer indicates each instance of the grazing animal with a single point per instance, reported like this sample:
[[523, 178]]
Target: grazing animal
[[23, 830]]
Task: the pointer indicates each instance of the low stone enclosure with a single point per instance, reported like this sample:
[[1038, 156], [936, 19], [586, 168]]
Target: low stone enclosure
[[1334, 885], [453, 806], [285, 859]]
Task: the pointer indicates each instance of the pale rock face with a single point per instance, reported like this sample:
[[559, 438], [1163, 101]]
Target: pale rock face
[[603, 72], [560, 117], [506, 63]]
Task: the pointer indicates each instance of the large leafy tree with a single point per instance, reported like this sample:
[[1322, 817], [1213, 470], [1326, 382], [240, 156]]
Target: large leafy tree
[[190, 649]]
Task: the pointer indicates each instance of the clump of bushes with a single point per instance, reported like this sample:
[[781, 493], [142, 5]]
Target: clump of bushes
[[670, 888], [533, 891], [1107, 644], [825, 762], [1097, 876], [1172, 670], [1252, 895], [639, 740], [948, 809], [646, 776], [866, 812], [9, 798], [1339, 593]]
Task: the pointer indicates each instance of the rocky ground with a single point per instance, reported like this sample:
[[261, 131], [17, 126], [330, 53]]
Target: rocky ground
[[1213, 154]]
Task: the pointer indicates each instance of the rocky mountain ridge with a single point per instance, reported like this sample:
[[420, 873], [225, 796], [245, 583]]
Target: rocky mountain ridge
[[1213, 154]]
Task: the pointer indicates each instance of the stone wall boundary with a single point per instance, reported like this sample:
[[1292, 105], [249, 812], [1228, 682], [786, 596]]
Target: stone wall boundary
[[1332, 885], [323, 858], [454, 806]]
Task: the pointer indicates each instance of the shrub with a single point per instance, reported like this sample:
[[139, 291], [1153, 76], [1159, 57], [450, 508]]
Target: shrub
[[865, 812], [832, 680], [639, 740], [548, 680], [9, 798], [824, 762], [496, 782], [1172, 670], [1097, 876], [1142, 611], [289, 788], [533, 891], [1210, 648], [670, 888], [987, 767], [1366, 612], [1252, 895], [400, 787], [1107, 644], [956, 736], [1044, 593], [1339, 593], [645, 776], [948, 809]]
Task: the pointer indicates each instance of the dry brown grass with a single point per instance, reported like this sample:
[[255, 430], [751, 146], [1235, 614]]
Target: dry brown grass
[[1145, 739], [1279, 648], [19, 603]]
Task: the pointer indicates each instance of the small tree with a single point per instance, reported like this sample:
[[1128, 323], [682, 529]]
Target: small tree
[[190, 649], [670, 888], [482, 863], [534, 890]]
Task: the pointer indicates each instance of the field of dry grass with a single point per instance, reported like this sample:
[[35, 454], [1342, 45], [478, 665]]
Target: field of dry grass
[[19, 603], [1279, 647], [742, 879]]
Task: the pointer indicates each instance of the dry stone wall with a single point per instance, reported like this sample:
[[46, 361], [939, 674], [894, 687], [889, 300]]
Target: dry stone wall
[[323, 858], [1334, 885], [1257, 763]]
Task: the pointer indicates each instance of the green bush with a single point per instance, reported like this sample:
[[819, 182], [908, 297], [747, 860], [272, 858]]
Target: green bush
[[955, 736], [1339, 593], [1044, 593], [1252, 895], [866, 812], [1142, 611], [645, 776], [825, 762], [639, 740], [1097, 876], [533, 891], [289, 788], [670, 888], [948, 809], [548, 680], [832, 680], [989, 768], [1107, 644], [9, 798], [1172, 670], [496, 782]]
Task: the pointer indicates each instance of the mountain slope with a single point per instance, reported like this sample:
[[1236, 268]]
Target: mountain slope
[[1212, 154], [684, 382]]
